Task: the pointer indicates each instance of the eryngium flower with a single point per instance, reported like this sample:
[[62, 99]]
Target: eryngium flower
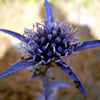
[[51, 42]]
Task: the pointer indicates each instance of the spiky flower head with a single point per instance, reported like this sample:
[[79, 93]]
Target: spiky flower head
[[50, 41]]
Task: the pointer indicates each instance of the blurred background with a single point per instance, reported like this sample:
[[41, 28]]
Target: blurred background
[[16, 15]]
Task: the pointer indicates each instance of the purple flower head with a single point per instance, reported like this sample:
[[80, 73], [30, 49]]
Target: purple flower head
[[50, 42]]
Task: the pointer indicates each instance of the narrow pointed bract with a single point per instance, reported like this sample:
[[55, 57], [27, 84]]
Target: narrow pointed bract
[[49, 13], [16, 67], [74, 78], [87, 45], [14, 34], [32, 78]]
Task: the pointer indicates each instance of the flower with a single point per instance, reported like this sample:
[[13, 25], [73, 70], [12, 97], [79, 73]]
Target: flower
[[51, 42]]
